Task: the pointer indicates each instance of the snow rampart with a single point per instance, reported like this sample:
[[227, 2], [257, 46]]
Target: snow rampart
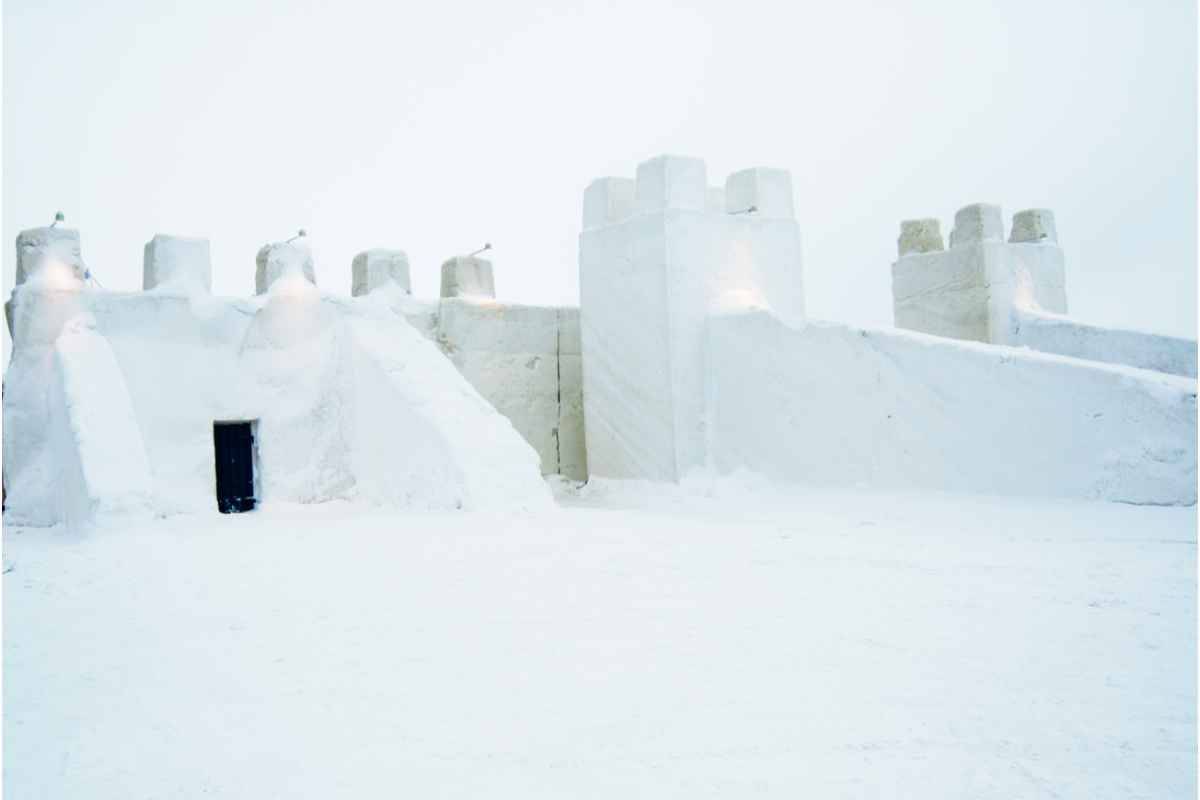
[[1011, 293], [831, 404]]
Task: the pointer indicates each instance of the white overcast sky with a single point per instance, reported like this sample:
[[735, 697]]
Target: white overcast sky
[[439, 125]]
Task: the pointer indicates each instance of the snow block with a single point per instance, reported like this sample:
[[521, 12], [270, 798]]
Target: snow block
[[837, 405], [55, 247], [1034, 225], [976, 223], [768, 190], [371, 269], [607, 200], [468, 276], [920, 236], [283, 259], [177, 263], [671, 182]]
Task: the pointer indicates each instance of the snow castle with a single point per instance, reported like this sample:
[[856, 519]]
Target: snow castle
[[690, 353]]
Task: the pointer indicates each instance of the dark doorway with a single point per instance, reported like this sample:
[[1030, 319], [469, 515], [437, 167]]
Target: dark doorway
[[233, 444]]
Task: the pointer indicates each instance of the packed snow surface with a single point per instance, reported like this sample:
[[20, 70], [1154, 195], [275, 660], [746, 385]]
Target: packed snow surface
[[634, 643]]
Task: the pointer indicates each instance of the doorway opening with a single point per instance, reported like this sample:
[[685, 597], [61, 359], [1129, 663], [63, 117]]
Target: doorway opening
[[233, 448]]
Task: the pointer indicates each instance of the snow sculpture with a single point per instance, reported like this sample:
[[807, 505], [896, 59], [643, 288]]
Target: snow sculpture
[[468, 276], [372, 269], [177, 263], [1014, 293]]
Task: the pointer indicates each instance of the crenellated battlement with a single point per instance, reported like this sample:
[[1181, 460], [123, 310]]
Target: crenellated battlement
[[680, 183], [973, 288], [1009, 291], [977, 223]]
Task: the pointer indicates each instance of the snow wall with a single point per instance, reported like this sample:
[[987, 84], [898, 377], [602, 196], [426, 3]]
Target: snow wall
[[524, 360], [351, 402], [831, 404], [698, 357], [1011, 292]]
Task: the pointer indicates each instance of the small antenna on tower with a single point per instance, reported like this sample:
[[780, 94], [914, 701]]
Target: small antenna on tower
[[299, 234], [750, 210], [486, 246], [58, 217]]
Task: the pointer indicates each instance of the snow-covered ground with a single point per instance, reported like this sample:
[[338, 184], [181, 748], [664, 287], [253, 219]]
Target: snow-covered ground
[[634, 643]]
